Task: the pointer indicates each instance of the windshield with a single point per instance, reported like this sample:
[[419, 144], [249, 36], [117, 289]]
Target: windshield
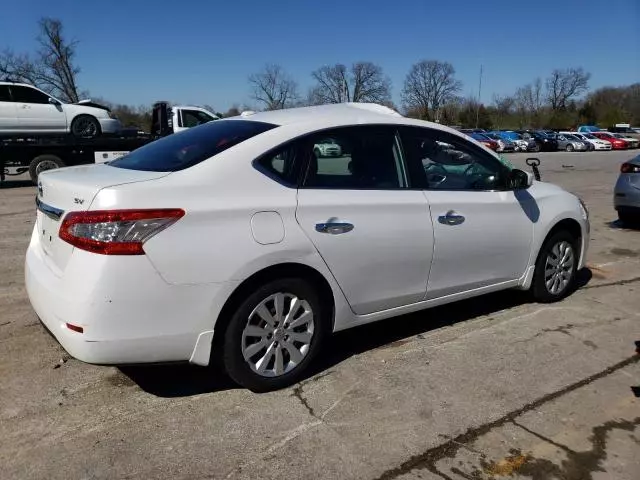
[[190, 147], [480, 137]]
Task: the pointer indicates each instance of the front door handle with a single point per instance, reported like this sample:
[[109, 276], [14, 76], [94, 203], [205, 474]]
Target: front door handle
[[334, 228], [451, 218]]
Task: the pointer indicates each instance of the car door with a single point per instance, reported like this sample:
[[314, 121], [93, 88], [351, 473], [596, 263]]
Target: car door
[[35, 112], [483, 231], [8, 116], [356, 205]]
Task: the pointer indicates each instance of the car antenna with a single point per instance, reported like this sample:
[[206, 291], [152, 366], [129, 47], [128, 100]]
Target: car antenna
[[533, 163]]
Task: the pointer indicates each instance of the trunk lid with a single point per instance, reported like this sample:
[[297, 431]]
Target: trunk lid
[[71, 190]]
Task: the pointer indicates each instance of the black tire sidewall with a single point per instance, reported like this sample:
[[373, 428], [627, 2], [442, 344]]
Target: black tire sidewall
[[538, 287], [89, 117], [33, 166], [232, 359]]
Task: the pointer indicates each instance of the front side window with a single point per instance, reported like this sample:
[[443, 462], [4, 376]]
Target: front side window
[[28, 95], [365, 157], [452, 163], [193, 118], [190, 147]]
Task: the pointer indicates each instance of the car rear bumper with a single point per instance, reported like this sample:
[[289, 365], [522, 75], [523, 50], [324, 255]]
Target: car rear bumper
[[625, 194], [110, 125], [127, 312]]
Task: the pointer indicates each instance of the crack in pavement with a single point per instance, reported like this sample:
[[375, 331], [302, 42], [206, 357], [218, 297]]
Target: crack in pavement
[[298, 392], [612, 284], [427, 460], [579, 465]]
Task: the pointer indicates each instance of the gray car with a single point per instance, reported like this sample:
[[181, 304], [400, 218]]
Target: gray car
[[570, 143], [626, 196]]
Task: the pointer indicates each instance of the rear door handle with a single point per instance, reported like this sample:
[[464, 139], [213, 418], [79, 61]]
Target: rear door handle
[[334, 228], [451, 218]]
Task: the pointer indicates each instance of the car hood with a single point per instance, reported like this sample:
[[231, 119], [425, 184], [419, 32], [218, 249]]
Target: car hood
[[91, 103]]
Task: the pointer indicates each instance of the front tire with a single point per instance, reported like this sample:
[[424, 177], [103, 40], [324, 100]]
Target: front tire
[[85, 126], [569, 148], [555, 271], [274, 335]]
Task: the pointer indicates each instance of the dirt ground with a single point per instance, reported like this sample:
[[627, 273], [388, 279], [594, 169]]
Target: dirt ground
[[494, 387]]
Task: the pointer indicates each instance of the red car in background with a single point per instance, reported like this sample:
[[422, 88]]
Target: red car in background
[[486, 141], [616, 143]]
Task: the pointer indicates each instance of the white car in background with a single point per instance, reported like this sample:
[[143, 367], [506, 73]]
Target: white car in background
[[233, 240], [327, 147], [26, 109], [592, 139]]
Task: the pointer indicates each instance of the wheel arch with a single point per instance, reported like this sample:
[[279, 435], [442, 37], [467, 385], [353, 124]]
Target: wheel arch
[[567, 224], [282, 270]]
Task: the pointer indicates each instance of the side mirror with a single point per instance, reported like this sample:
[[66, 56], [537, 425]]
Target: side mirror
[[520, 180], [53, 101]]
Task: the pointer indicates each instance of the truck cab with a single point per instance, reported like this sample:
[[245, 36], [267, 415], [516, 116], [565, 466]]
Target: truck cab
[[169, 119]]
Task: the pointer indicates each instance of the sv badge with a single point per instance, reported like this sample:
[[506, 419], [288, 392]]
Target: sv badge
[[79, 201]]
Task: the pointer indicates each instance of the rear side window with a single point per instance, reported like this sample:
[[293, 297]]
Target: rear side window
[[190, 147], [4, 93]]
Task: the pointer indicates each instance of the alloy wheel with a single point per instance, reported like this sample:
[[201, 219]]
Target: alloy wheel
[[558, 268], [278, 334]]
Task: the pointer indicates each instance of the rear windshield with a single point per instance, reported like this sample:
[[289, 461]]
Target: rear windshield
[[190, 147]]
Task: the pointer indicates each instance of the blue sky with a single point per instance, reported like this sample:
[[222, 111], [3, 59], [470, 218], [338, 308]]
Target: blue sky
[[197, 51]]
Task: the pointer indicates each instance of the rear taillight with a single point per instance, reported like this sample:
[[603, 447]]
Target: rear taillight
[[116, 232], [629, 168]]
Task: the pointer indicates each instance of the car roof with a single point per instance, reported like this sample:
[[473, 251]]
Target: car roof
[[338, 114], [5, 82]]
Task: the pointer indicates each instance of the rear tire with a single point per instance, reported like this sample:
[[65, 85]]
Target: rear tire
[[627, 219], [251, 342], [43, 163], [555, 271], [85, 126]]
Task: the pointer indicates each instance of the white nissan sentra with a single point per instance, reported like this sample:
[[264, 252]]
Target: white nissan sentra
[[239, 240]]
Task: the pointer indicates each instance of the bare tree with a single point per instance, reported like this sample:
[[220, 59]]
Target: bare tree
[[565, 85], [364, 82], [52, 68], [504, 104], [428, 86], [273, 87], [529, 103]]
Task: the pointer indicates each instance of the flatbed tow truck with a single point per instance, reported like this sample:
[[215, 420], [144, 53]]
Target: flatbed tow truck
[[37, 153]]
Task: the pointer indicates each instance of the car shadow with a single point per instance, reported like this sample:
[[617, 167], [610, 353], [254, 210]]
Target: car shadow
[[180, 380], [618, 225]]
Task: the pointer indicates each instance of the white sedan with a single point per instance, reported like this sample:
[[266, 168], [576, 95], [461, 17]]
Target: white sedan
[[233, 240], [597, 143], [26, 109]]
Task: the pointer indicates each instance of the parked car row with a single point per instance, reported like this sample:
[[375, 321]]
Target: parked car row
[[550, 140]]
